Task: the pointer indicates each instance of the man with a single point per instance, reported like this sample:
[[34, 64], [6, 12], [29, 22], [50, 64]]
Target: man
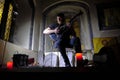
[[60, 32]]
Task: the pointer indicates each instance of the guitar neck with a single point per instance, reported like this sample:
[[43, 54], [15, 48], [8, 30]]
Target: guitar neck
[[71, 20]]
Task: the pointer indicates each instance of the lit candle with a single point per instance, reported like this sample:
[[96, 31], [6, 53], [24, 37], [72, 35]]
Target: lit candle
[[9, 65], [79, 59], [79, 56]]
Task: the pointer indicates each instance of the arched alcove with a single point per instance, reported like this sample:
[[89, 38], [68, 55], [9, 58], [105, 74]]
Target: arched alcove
[[72, 7]]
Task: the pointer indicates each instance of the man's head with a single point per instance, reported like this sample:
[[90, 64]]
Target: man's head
[[60, 18], [61, 15]]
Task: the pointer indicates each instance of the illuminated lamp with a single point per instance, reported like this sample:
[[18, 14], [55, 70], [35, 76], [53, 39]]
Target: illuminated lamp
[[79, 59], [9, 65]]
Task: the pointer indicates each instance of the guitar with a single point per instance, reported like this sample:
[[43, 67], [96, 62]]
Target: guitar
[[62, 28]]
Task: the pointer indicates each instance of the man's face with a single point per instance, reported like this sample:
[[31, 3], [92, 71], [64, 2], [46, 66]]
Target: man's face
[[59, 19]]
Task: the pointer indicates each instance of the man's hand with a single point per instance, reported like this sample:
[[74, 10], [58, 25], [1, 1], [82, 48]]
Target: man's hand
[[56, 30]]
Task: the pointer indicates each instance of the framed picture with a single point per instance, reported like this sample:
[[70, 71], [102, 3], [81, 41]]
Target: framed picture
[[108, 16]]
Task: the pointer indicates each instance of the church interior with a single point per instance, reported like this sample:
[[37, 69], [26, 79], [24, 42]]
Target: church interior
[[24, 47]]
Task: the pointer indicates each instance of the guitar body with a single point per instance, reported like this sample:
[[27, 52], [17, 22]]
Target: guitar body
[[53, 37]]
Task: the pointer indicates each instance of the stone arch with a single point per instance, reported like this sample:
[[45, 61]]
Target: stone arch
[[86, 31]]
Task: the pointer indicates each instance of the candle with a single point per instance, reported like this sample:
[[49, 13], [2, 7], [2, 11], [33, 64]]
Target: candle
[[79, 56], [9, 65], [79, 59]]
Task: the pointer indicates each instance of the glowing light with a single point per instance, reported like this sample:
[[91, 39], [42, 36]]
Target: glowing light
[[9, 65], [79, 56], [79, 59]]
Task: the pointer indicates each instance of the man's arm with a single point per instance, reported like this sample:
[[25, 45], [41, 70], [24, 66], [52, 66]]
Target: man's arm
[[49, 31]]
